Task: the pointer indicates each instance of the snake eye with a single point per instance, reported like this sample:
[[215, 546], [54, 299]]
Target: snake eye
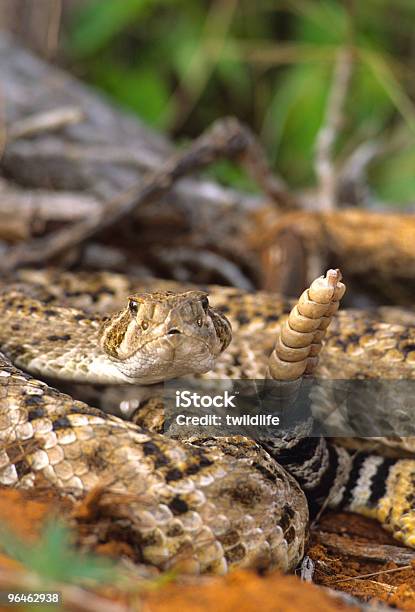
[[133, 306], [199, 322], [144, 325], [205, 303]]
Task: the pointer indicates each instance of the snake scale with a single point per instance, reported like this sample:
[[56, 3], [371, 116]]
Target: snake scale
[[218, 503]]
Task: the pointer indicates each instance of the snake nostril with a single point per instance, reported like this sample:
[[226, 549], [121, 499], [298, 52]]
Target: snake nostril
[[173, 330]]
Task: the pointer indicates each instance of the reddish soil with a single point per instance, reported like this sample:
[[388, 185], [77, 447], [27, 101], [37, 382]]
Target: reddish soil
[[244, 590], [337, 561]]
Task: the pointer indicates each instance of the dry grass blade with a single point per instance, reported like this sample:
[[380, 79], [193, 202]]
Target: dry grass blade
[[389, 571], [327, 135]]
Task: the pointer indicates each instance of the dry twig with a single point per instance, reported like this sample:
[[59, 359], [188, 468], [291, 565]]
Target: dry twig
[[327, 135], [44, 122], [205, 261], [352, 185]]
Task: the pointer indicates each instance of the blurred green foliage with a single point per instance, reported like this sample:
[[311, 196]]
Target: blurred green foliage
[[54, 558], [54, 561], [180, 64]]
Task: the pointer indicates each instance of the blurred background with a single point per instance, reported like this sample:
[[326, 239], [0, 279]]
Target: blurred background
[[327, 87], [180, 64]]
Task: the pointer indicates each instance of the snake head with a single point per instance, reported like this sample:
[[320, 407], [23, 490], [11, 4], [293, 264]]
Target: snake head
[[163, 335]]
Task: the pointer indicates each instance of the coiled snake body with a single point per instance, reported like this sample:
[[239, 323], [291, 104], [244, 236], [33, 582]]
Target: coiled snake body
[[216, 502]]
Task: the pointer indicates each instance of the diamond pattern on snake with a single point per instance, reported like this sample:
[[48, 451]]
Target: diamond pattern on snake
[[226, 501]]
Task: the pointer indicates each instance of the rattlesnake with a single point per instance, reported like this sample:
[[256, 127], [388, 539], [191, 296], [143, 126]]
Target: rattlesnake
[[224, 501]]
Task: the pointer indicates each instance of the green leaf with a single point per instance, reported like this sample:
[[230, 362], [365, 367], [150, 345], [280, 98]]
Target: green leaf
[[393, 177], [183, 41], [230, 174], [141, 89], [234, 73], [390, 84], [99, 21], [54, 558], [294, 118], [323, 22], [367, 101]]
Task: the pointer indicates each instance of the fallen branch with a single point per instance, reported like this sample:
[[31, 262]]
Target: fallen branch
[[367, 551], [384, 251], [105, 154], [226, 138], [26, 210]]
